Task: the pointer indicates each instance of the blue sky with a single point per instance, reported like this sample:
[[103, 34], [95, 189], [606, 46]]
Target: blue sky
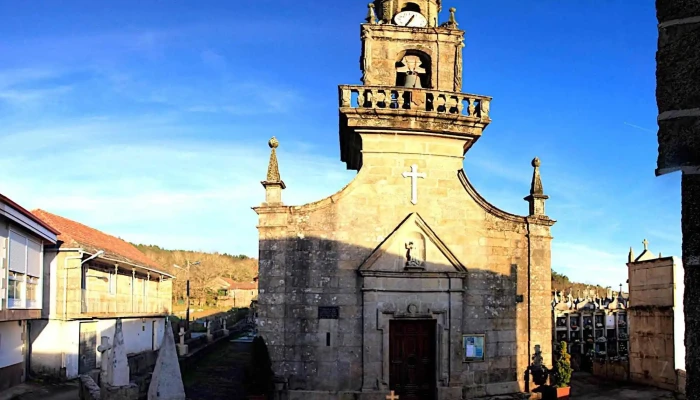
[[149, 119]]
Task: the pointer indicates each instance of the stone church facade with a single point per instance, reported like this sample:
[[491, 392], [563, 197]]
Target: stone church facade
[[406, 279]]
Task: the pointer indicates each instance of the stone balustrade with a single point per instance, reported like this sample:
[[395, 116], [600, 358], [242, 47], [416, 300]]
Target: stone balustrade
[[430, 102]]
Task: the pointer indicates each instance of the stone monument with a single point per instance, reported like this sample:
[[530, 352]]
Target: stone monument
[[166, 383]]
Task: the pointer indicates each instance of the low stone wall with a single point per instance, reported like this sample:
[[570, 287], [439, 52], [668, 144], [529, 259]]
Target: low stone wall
[[141, 367], [87, 388], [614, 371]]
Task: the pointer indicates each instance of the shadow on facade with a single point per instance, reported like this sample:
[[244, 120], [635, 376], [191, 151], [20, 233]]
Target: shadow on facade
[[305, 280]]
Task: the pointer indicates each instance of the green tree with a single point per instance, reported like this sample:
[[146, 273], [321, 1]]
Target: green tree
[[561, 373]]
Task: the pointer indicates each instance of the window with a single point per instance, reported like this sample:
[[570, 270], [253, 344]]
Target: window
[[25, 259], [32, 292], [15, 288]]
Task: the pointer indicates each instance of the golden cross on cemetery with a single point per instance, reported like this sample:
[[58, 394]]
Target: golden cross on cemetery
[[392, 396]]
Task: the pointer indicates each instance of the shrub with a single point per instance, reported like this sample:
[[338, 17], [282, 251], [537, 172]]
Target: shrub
[[561, 373]]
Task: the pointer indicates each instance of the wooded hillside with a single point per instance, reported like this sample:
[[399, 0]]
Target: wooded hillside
[[240, 268], [561, 283]]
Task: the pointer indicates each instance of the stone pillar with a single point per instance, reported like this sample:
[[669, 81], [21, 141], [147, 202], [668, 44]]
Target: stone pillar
[[116, 384], [690, 215], [166, 383], [678, 100], [118, 368], [182, 348], [226, 331], [539, 282], [272, 228]]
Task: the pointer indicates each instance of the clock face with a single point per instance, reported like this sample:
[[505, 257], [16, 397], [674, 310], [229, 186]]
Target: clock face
[[410, 19]]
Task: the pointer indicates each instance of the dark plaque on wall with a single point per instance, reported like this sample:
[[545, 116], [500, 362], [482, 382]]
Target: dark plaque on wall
[[328, 312]]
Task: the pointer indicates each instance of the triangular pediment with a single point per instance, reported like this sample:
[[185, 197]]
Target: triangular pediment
[[428, 253]]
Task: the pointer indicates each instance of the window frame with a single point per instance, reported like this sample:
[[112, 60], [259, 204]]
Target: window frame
[[22, 276]]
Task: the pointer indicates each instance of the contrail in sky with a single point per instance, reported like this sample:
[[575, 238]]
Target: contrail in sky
[[639, 127]]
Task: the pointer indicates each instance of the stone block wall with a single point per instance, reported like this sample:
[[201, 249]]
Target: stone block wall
[[651, 352], [678, 100]]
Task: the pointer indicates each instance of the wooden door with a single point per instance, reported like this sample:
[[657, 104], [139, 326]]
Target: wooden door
[[87, 349], [412, 359]]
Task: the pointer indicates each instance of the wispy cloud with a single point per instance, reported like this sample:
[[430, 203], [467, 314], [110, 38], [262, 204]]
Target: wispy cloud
[[144, 189]]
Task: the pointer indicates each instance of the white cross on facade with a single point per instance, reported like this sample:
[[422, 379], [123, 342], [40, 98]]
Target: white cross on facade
[[414, 175]]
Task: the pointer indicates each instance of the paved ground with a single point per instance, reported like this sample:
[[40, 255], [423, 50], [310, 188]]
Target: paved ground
[[586, 386], [39, 391], [219, 375]]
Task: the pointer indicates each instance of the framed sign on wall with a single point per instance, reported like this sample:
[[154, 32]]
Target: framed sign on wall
[[473, 347]]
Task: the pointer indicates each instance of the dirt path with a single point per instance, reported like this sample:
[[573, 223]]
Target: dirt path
[[219, 374]]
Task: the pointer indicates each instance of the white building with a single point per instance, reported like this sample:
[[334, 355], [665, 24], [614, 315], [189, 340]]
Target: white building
[[22, 280]]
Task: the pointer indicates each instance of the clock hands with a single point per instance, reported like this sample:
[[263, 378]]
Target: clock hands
[[410, 19]]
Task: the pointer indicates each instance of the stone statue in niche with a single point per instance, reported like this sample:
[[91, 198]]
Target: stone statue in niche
[[413, 258], [413, 70]]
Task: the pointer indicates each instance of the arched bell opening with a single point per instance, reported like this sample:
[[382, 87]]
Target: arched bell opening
[[414, 70], [411, 7]]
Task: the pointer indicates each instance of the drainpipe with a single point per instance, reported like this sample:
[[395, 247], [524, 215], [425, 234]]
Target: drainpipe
[[65, 288]]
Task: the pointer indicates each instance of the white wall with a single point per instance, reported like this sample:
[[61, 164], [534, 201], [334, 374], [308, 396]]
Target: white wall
[[10, 343], [47, 347], [61, 340], [678, 315]]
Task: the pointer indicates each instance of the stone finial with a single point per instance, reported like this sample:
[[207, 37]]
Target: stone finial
[[273, 170], [166, 383], [452, 22], [273, 184], [537, 197], [371, 15], [630, 256], [117, 374]]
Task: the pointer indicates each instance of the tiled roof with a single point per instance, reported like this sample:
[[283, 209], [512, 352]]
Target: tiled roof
[[240, 285], [76, 235]]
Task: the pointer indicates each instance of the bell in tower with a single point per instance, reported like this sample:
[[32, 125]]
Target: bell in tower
[[412, 69]]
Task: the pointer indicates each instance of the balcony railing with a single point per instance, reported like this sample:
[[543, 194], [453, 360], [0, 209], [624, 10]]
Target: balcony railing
[[98, 302], [421, 100]]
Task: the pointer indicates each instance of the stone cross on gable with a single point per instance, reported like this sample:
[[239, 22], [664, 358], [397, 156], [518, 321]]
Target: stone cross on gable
[[414, 175], [392, 396]]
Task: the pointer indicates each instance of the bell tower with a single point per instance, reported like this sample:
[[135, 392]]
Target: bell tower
[[411, 80]]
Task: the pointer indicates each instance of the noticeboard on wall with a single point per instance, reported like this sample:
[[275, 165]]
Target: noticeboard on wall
[[473, 347]]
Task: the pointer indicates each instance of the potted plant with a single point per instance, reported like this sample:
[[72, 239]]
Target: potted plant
[[259, 375], [561, 373]]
